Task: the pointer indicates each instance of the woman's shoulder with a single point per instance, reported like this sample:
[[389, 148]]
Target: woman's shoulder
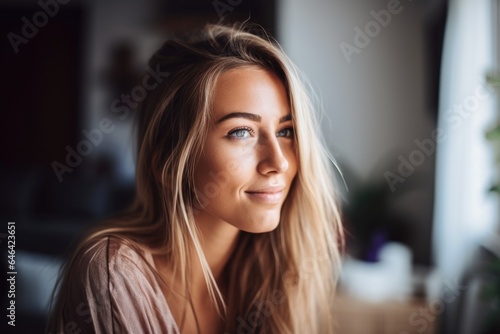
[[118, 288], [111, 255]]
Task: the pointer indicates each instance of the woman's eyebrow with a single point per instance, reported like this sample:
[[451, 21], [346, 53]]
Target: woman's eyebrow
[[250, 116]]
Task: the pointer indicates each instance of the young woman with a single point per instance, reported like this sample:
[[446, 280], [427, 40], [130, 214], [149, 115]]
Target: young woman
[[235, 227]]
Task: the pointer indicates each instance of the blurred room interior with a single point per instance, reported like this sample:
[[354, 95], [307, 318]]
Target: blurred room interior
[[410, 94]]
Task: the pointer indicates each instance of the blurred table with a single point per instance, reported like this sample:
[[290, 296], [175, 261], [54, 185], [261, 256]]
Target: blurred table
[[353, 316]]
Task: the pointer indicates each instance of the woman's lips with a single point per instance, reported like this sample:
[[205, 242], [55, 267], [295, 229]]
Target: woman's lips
[[266, 195]]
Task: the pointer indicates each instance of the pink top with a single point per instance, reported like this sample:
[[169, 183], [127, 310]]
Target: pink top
[[113, 290]]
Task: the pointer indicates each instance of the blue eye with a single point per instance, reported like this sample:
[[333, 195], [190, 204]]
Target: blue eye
[[240, 133], [288, 133]]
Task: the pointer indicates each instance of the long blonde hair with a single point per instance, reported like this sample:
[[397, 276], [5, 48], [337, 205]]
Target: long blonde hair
[[282, 281]]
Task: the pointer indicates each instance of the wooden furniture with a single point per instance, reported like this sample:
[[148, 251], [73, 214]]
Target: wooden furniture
[[355, 316]]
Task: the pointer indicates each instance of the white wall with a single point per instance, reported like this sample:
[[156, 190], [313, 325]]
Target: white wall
[[376, 103]]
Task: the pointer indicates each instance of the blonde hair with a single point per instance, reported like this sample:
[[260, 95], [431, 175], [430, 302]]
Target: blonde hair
[[282, 281]]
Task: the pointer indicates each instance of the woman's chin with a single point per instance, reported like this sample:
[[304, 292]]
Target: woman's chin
[[261, 226]]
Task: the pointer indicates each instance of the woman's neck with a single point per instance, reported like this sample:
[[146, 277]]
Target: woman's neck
[[218, 241]]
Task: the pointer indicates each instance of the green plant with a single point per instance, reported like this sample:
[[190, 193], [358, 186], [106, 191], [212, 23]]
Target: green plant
[[491, 292]]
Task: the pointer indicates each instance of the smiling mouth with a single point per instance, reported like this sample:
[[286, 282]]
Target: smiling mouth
[[271, 197]]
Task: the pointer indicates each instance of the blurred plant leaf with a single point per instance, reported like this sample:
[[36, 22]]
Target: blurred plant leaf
[[493, 79], [494, 133], [495, 188]]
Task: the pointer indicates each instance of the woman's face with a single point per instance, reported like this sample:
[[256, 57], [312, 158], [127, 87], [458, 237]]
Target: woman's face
[[249, 160]]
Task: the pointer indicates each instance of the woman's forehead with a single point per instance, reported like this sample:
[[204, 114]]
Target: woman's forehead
[[250, 89]]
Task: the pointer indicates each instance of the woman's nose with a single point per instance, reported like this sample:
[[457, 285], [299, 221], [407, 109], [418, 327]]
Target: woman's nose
[[272, 159]]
